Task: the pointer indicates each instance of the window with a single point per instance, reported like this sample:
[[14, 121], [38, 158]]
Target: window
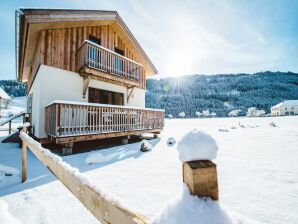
[[119, 51], [104, 97], [118, 61], [94, 39]]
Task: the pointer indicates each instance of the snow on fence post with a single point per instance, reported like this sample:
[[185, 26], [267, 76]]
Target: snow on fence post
[[196, 150], [24, 156]]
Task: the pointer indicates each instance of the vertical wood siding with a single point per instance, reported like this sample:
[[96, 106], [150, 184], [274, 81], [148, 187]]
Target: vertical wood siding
[[59, 47]]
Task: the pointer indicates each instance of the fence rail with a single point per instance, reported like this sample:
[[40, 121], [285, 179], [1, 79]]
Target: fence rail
[[68, 119], [105, 210], [103, 59]]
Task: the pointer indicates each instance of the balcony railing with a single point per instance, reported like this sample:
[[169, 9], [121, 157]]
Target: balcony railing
[[103, 59], [71, 119]]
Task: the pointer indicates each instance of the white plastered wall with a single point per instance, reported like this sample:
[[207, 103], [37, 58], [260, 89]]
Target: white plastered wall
[[57, 84]]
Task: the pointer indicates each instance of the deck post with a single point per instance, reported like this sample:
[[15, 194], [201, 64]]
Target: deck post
[[67, 149], [201, 178], [125, 140], [24, 158]]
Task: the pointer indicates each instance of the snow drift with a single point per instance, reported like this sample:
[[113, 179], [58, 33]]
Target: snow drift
[[188, 209], [5, 216]]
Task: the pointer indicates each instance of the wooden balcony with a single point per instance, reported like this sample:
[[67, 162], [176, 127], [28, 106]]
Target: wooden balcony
[[108, 66], [73, 122]]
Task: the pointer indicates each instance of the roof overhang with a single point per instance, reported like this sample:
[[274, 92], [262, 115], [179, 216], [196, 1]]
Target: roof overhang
[[32, 21]]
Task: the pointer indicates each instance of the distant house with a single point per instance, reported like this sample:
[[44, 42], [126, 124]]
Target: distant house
[[85, 74], [5, 99], [287, 107]]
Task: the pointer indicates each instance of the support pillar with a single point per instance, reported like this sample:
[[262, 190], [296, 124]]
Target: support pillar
[[67, 149], [125, 140]]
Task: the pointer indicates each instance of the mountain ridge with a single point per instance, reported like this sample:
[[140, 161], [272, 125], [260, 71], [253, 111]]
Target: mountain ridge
[[221, 93]]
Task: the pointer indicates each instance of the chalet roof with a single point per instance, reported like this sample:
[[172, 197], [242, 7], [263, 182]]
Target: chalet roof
[[31, 20], [4, 95], [286, 103]]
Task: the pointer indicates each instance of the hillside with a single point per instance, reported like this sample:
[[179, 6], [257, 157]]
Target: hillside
[[218, 93], [13, 88], [221, 93]]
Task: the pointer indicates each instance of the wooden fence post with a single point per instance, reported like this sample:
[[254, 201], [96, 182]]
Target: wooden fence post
[[201, 178], [24, 157]]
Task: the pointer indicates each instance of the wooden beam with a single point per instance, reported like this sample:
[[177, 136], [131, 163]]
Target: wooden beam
[[24, 158], [88, 137], [106, 211], [107, 77], [86, 81], [129, 95]]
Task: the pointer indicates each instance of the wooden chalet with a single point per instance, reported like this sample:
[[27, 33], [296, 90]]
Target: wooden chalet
[[85, 74]]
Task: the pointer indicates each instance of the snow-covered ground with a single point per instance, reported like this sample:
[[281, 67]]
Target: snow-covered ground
[[257, 171]]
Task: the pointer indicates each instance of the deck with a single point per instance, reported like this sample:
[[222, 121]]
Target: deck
[[72, 121]]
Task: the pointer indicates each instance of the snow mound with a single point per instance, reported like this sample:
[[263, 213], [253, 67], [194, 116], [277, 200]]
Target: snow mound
[[241, 125], [188, 209], [8, 175], [5, 216], [182, 114], [197, 145], [272, 124], [8, 170], [145, 146], [171, 141], [96, 157]]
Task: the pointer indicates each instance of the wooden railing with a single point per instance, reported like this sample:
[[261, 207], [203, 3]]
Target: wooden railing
[[70, 119], [103, 59], [9, 120]]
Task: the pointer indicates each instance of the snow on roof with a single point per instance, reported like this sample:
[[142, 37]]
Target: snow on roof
[[286, 103], [4, 95]]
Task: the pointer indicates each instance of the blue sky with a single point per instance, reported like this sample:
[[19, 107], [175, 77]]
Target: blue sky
[[190, 36]]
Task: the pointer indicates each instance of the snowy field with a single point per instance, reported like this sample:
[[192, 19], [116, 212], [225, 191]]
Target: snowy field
[[17, 106], [257, 171]]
